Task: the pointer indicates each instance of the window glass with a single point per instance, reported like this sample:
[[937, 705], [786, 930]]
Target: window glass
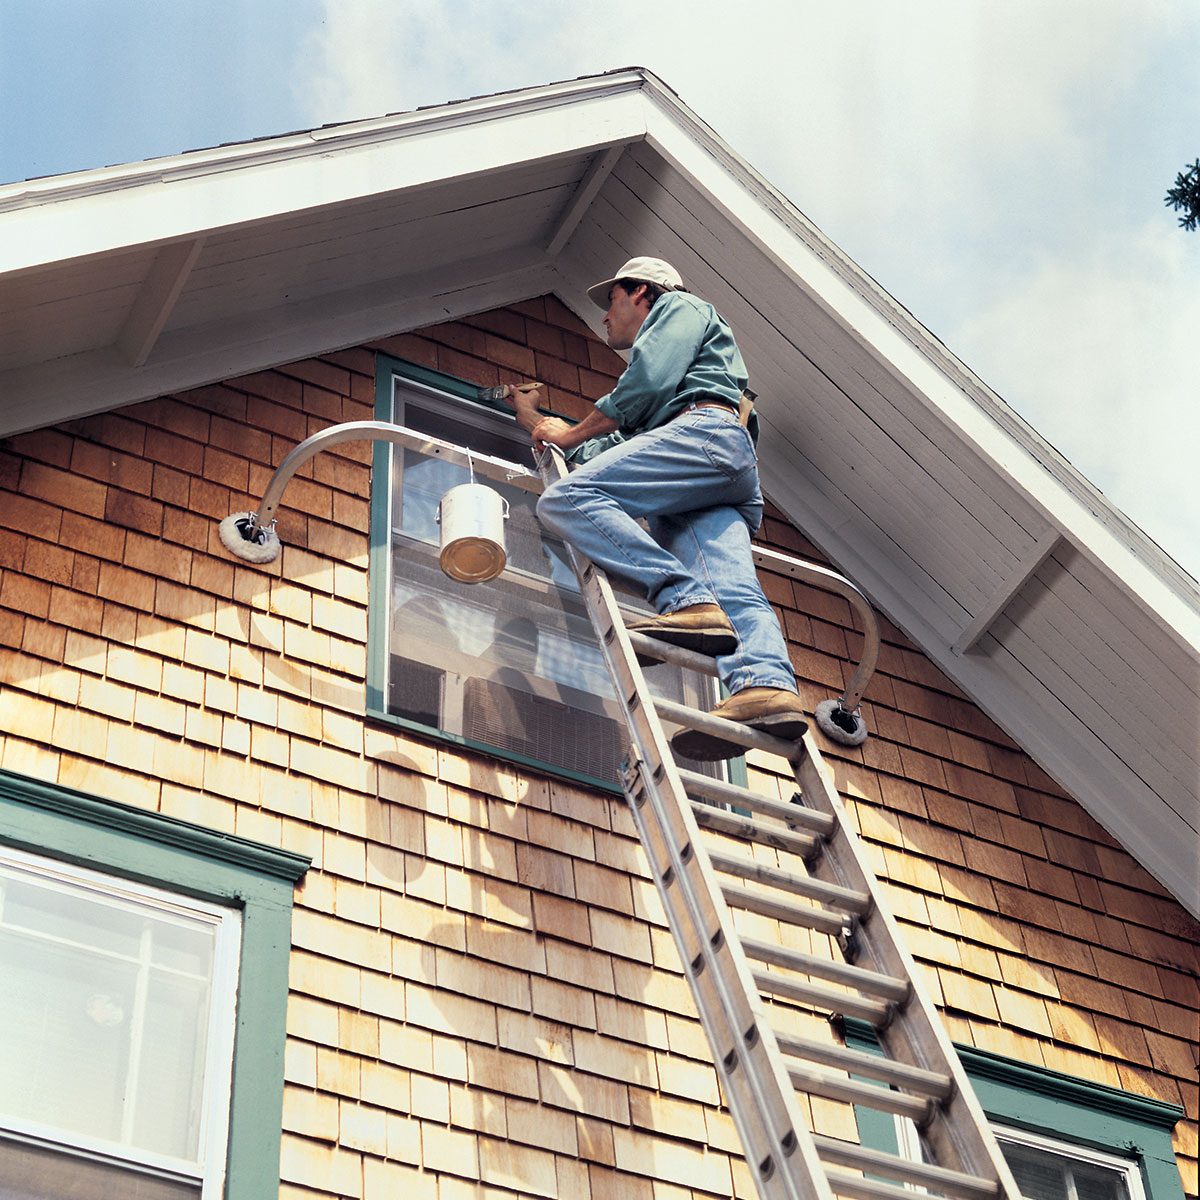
[[512, 664], [1044, 1172], [108, 1019]]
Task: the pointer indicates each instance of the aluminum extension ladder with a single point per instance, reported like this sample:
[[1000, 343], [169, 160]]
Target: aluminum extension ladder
[[761, 1069]]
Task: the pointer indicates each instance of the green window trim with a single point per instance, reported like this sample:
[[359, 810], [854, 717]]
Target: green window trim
[[387, 370], [118, 840], [1040, 1100]]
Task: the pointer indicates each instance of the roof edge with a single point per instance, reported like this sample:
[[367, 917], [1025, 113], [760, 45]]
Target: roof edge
[[324, 139]]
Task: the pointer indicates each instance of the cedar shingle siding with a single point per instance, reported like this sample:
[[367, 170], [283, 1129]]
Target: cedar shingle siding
[[482, 985]]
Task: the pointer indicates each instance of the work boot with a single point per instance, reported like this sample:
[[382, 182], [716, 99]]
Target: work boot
[[701, 627], [776, 711]]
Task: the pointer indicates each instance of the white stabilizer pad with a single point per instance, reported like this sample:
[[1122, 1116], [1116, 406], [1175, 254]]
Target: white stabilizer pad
[[264, 549], [835, 732]]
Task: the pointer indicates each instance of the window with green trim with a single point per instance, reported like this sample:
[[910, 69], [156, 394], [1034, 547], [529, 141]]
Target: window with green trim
[[1064, 1138], [510, 666], [143, 988]]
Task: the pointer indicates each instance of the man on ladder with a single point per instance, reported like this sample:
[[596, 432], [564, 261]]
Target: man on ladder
[[669, 444]]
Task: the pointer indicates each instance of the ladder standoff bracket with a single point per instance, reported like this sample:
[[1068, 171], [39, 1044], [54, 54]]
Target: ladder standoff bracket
[[839, 724], [246, 538]]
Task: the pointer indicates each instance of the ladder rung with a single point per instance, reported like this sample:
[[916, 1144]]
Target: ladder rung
[[727, 793], [884, 986], [827, 999], [838, 1087], [650, 647], [873, 1066], [729, 731], [938, 1179], [792, 914], [752, 831], [815, 889]]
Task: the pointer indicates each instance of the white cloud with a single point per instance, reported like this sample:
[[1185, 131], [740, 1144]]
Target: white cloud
[[370, 57], [1100, 354]]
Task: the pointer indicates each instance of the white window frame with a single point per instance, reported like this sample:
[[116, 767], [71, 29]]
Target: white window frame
[[908, 1142], [209, 1169], [1125, 1167]]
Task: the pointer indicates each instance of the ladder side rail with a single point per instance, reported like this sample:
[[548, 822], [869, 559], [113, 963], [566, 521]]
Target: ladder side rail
[[761, 1097], [736, 1068], [958, 1134]]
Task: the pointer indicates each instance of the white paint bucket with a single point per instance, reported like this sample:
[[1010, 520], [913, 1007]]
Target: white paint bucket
[[472, 518]]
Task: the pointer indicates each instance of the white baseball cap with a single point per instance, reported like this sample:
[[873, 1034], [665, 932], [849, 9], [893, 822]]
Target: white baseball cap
[[646, 270]]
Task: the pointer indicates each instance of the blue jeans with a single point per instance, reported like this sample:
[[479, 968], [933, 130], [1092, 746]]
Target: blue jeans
[[695, 479]]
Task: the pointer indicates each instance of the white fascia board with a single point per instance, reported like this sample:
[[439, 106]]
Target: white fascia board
[[1158, 837], [194, 194], [1065, 500]]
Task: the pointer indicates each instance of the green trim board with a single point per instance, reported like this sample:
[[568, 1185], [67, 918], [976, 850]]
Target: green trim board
[[379, 560], [454, 739], [1063, 1106], [119, 840]]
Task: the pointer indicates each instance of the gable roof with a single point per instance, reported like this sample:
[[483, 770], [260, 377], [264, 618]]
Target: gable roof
[[1051, 610]]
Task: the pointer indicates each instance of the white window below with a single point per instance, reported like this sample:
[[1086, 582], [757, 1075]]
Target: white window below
[[117, 1006]]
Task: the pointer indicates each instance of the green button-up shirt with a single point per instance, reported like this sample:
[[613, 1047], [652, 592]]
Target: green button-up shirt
[[683, 352]]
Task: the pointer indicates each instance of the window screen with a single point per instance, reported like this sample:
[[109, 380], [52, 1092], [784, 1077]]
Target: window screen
[[511, 664], [1044, 1173]]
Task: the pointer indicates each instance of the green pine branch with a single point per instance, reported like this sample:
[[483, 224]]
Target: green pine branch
[[1185, 196]]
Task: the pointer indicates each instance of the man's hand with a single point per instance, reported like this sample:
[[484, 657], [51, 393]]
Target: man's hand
[[526, 399], [555, 431]]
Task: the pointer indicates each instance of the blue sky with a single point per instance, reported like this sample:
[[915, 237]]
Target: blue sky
[[998, 167]]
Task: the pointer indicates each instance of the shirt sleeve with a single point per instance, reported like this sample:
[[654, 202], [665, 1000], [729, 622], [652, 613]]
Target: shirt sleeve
[[588, 450], [664, 348]]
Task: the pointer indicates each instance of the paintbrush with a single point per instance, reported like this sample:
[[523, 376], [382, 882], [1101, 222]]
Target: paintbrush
[[525, 399], [504, 391]]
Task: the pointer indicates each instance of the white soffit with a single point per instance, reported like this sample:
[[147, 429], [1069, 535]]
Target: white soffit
[[132, 281], [76, 216], [123, 283]]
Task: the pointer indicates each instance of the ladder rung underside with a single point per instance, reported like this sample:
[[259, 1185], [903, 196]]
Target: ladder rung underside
[[874, 1066], [846, 899], [885, 987], [795, 816], [919, 1174], [839, 1087], [729, 731], [690, 660], [824, 999], [735, 825], [804, 915]]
